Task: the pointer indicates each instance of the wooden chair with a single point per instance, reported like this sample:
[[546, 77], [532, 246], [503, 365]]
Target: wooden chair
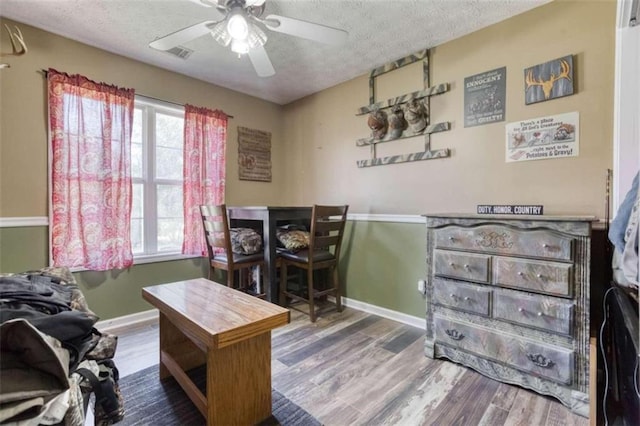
[[217, 235], [325, 239]]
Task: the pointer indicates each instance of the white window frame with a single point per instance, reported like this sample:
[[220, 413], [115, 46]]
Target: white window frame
[[149, 181]]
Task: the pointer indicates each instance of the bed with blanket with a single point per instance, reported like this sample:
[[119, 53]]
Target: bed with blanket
[[52, 357]]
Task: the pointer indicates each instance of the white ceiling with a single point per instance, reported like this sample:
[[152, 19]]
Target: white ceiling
[[380, 31]]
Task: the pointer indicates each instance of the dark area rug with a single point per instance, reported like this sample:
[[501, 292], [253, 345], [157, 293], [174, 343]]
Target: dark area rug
[[149, 401]]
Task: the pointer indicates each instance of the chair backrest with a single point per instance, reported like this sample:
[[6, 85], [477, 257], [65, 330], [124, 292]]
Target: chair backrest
[[327, 228], [216, 230]]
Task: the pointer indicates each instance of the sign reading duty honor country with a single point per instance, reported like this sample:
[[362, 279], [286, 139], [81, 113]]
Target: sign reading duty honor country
[[534, 210]]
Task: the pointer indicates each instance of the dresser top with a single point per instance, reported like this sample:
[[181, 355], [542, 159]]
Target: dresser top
[[557, 218]]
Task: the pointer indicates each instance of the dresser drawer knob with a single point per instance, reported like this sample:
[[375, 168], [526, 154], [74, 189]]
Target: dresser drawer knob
[[453, 296], [520, 310], [466, 298], [540, 360], [539, 314], [454, 334], [451, 263], [451, 238], [539, 275], [466, 266], [545, 245], [521, 273]]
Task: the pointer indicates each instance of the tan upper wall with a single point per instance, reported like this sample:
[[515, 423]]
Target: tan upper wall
[[321, 129], [23, 116], [313, 140]]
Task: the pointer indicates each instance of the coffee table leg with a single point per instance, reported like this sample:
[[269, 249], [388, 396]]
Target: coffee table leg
[[239, 382], [168, 336], [181, 349]]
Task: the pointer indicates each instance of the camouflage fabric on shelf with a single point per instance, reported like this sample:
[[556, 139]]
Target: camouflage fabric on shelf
[[245, 241]]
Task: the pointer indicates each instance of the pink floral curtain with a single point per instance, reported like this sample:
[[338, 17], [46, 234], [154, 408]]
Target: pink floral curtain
[[205, 141], [90, 132]]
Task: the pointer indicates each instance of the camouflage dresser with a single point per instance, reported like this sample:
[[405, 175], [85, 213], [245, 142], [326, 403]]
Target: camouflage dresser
[[509, 297]]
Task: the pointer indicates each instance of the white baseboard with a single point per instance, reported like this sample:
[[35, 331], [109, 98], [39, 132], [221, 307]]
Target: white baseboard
[[140, 318], [385, 313]]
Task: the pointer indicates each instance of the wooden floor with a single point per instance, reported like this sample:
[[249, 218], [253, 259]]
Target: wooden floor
[[354, 368]]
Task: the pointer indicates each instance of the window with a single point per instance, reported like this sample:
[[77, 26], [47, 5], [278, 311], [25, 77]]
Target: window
[[156, 169]]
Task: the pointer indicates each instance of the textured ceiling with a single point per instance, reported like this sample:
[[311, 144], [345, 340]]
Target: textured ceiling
[[380, 31]]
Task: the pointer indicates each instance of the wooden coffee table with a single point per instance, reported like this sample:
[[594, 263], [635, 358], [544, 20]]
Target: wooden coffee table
[[203, 322]]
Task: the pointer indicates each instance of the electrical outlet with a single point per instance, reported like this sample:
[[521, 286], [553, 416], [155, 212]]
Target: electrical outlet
[[422, 286]]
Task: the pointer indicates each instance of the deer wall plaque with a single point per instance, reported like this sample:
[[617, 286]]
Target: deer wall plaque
[[553, 79]]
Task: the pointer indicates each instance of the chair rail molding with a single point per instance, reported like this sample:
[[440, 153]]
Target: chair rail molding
[[20, 222], [395, 218]]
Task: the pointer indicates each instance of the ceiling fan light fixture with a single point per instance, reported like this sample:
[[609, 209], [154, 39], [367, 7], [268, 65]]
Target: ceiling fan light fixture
[[220, 34], [256, 37], [240, 47], [237, 25]]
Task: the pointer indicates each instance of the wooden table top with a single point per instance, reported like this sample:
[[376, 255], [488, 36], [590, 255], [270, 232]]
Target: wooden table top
[[213, 313]]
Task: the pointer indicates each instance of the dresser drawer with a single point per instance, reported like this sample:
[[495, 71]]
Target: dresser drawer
[[465, 266], [537, 276], [464, 297], [505, 240], [547, 313], [551, 362]]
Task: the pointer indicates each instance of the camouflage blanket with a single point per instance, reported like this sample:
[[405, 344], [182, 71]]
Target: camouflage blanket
[[51, 300]]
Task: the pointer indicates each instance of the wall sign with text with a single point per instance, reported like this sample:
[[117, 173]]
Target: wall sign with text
[[534, 210], [485, 97], [254, 154], [543, 138]]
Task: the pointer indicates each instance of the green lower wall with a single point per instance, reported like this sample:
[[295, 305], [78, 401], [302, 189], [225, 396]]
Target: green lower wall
[[381, 264], [112, 294], [109, 294], [23, 248]]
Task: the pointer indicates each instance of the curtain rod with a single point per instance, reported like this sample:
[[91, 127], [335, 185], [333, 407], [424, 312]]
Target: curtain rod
[[45, 72]]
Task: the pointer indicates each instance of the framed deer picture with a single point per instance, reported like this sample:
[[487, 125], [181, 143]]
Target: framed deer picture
[[550, 80]]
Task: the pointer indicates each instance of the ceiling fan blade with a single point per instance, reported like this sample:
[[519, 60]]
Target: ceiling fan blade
[[205, 3], [304, 29], [182, 36], [261, 62]]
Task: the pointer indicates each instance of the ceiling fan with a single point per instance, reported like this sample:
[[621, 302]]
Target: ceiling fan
[[235, 23]]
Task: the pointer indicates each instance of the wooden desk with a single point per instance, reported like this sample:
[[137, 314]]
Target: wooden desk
[[270, 216], [205, 322]]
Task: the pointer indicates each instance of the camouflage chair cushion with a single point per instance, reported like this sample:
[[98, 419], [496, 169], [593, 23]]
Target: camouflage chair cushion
[[245, 241], [293, 239]]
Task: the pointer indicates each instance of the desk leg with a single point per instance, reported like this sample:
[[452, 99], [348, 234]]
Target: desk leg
[[239, 382]]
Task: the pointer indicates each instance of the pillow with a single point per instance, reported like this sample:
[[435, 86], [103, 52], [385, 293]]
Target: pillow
[[294, 239], [245, 241]]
